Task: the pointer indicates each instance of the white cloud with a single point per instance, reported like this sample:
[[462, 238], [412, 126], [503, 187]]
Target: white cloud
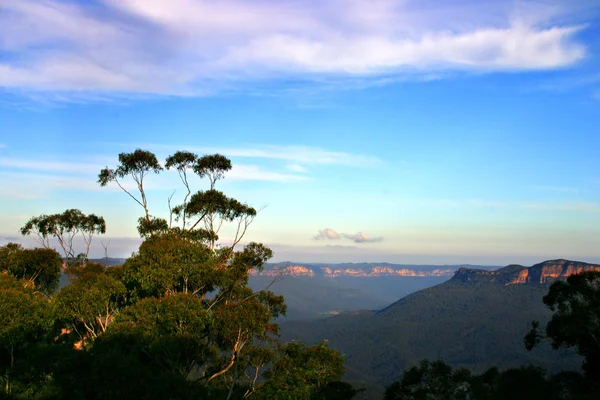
[[198, 47], [327, 234], [2, 146]]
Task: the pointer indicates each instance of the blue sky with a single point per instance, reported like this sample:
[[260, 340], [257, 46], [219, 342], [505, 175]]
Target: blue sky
[[403, 131]]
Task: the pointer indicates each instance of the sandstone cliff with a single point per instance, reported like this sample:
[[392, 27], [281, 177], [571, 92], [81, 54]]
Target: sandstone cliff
[[542, 273]]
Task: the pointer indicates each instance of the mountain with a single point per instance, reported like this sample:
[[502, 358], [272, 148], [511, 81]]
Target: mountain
[[545, 272], [109, 261], [315, 290], [316, 297], [320, 290], [365, 270], [477, 319]]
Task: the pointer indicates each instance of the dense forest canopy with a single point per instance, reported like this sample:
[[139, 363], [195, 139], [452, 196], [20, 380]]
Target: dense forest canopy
[[176, 321]]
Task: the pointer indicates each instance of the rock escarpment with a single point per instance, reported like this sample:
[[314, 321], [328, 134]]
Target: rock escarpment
[[542, 273]]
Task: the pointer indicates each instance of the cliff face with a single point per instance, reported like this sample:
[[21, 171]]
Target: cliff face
[[542, 273], [341, 271]]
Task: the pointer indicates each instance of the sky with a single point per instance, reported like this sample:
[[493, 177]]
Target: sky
[[404, 131]]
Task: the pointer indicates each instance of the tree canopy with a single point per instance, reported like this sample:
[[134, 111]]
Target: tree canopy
[[177, 320]]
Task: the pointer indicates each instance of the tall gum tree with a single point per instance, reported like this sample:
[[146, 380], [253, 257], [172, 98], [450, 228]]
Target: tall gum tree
[[65, 228], [191, 313]]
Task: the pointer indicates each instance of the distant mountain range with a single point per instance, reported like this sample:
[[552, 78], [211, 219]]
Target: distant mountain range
[[319, 290], [365, 270], [542, 273], [477, 320]]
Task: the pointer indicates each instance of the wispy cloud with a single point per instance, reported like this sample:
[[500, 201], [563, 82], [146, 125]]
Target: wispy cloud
[[296, 168], [56, 166], [360, 237], [26, 178], [256, 173], [192, 48], [298, 155], [28, 186], [578, 206], [2, 146]]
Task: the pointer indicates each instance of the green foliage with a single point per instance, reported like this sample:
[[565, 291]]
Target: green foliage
[[467, 325], [148, 227], [170, 264], [25, 322], [431, 380], [438, 380], [136, 164], [39, 268], [65, 227], [176, 321], [303, 372], [89, 304], [575, 321], [212, 167]]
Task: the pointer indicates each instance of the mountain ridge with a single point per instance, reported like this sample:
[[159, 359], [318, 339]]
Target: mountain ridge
[[541, 273], [364, 270], [476, 319]]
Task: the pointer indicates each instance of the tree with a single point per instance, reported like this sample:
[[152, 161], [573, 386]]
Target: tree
[[575, 321], [176, 320], [65, 228], [431, 380], [25, 321], [88, 305], [38, 268], [191, 316], [303, 372], [135, 165], [182, 161]]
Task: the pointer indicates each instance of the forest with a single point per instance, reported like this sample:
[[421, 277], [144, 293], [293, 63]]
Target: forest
[[178, 320]]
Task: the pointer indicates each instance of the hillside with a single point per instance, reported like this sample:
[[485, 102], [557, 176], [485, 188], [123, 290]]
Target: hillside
[[314, 290], [476, 319]]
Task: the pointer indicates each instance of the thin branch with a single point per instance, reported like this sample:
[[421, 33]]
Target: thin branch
[[126, 191], [170, 209], [237, 347], [277, 278]]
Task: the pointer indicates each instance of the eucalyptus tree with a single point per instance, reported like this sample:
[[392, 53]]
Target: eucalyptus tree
[[182, 161], [190, 311], [65, 227], [176, 320], [135, 165]]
